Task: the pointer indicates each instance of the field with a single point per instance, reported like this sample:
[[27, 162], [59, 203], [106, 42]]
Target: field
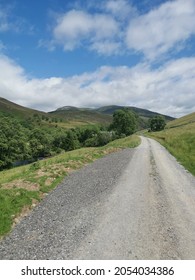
[[22, 188], [179, 138]]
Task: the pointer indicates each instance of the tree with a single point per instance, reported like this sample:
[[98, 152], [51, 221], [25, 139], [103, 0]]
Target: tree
[[157, 123], [71, 141], [124, 122], [100, 139], [39, 143]]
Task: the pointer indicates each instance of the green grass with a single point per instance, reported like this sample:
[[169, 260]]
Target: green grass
[[186, 120], [12, 203], [179, 139], [26, 185]]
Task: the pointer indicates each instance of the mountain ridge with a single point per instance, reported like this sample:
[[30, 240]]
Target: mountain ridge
[[144, 114], [102, 115], [110, 109]]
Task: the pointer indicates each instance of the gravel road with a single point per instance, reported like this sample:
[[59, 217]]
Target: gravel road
[[133, 204]]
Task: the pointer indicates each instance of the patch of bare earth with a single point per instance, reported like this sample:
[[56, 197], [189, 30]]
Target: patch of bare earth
[[57, 169], [49, 181], [30, 186], [111, 150]]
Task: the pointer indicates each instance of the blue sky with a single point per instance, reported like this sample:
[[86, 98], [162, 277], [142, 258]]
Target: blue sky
[[91, 53]]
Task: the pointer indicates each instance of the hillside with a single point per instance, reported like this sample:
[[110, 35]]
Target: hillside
[[27, 135], [72, 118], [69, 116], [104, 114], [179, 138], [8, 108], [66, 117], [186, 120], [86, 116], [141, 112]]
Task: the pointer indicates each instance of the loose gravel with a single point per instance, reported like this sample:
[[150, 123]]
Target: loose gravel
[[57, 226]]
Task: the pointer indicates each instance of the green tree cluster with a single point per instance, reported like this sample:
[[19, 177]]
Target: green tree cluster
[[157, 123], [124, 122], [23, 141]]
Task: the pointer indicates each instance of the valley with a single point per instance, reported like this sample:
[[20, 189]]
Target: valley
[[24, 188]]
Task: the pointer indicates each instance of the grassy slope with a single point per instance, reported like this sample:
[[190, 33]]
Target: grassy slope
[[104, 114], [83, 116], [65, 120], [11, 109], [23, 187], [186, 120], [179, 139]]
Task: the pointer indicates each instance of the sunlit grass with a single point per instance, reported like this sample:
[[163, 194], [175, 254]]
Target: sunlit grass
[[179, 139]]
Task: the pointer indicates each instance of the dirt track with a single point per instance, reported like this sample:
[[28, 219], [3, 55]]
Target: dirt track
[[135, 204]]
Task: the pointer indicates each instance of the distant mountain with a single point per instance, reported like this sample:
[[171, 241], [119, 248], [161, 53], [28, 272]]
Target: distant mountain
[[141, 112], [84, 115], [107, 111], [68, 108], [69, 116], [66, 117]]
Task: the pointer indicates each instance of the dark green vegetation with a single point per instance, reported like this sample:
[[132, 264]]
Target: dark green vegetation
[[124, 122], [179, 138], [23, 142], [27, 135], [157, 123], [23, 187]]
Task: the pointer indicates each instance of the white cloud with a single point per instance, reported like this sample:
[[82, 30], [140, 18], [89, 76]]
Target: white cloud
[[161, 29], [120, 8], [75, 27], [168, 89], [71, 27], [106, 47], [118, 27]]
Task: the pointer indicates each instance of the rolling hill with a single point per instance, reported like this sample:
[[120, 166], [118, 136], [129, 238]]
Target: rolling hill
[[105, 114], [82, 115], [186, 120], [69, 116], [8, 108], [63, 118], [179, 138], [141, 112]]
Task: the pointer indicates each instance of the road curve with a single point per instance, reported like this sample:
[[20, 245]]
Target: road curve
[[134, 204]]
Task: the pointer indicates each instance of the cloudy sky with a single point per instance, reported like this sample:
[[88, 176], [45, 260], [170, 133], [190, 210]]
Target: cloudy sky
[[91, 53]]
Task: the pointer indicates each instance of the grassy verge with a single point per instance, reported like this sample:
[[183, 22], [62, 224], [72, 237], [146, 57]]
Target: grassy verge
[[180, 142], [23, 187]]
